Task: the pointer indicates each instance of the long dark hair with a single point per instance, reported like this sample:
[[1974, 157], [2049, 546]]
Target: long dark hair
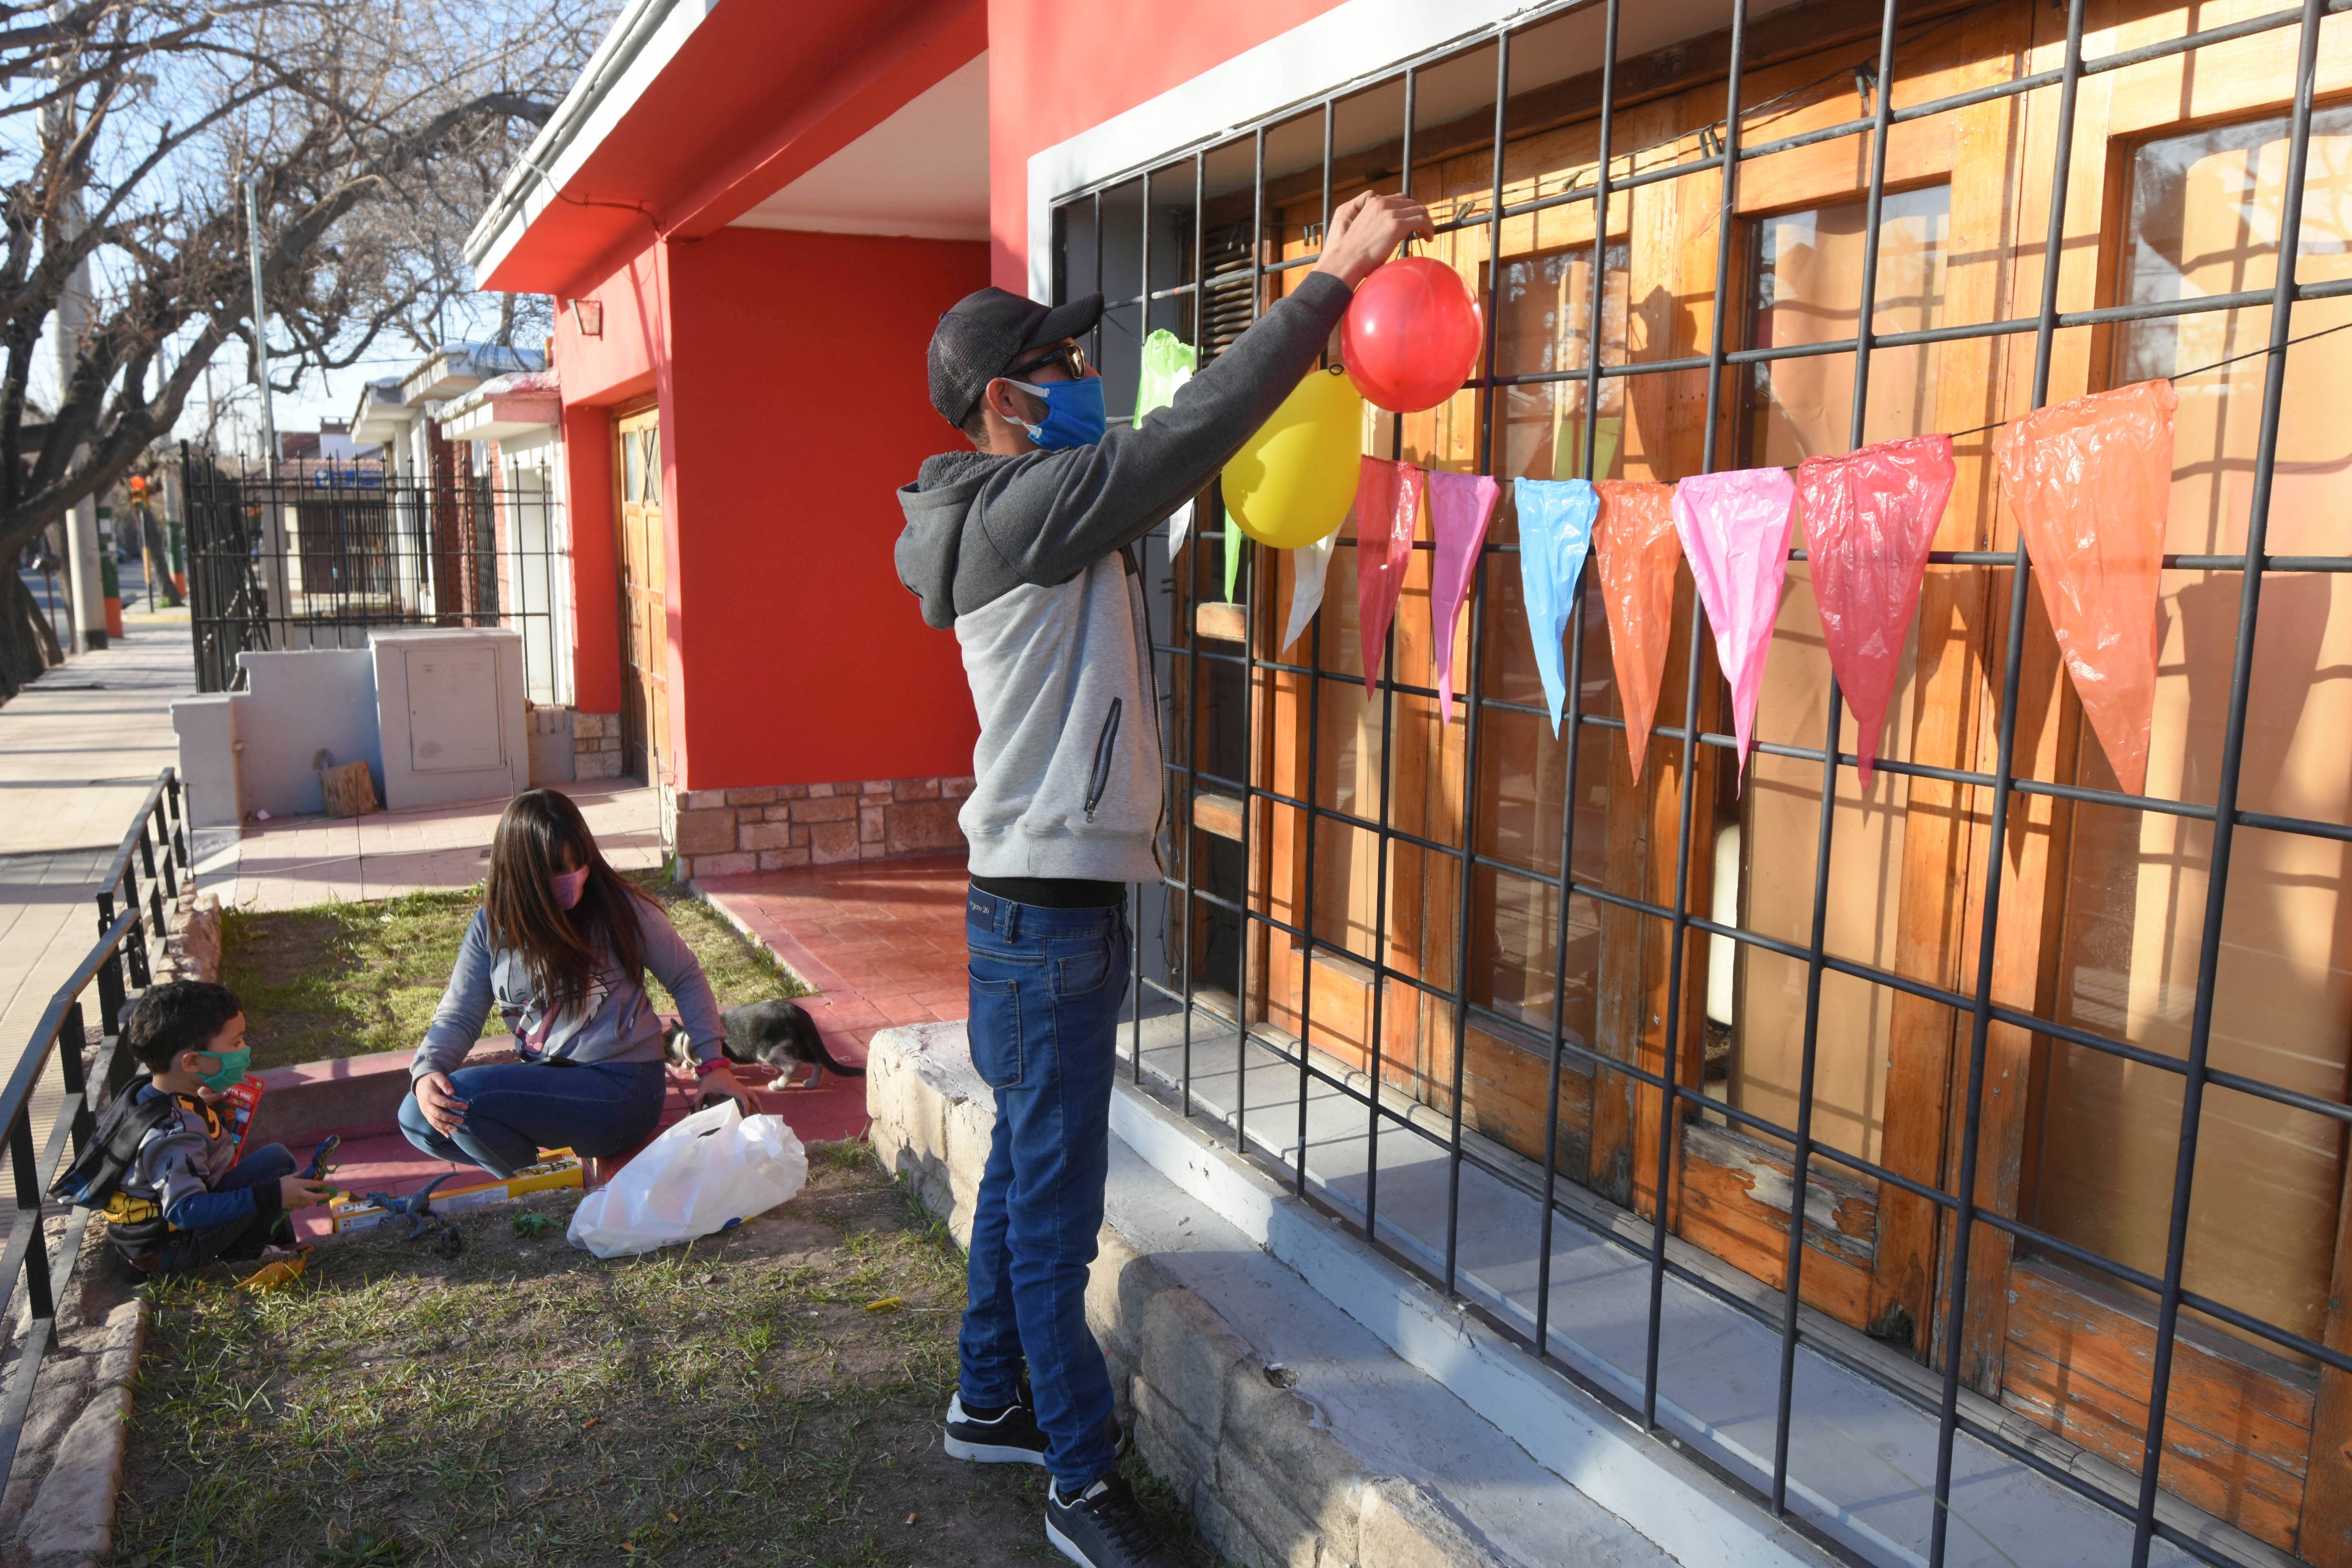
[[562, 949]]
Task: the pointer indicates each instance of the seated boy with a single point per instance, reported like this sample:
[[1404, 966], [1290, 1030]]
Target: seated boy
[[158, 1166]]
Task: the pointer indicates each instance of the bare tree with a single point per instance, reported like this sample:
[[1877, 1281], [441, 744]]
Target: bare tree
[[375, 130]]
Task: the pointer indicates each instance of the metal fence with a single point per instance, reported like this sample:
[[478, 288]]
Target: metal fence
[[1200, 898], [134, 908], [323, 553]]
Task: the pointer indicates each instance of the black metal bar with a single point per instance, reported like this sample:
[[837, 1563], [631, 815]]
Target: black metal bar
[[1253, 606], [1471, 792], [1313, 633], [1189, 606]]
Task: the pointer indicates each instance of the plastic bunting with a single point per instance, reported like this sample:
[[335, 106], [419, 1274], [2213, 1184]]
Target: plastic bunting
[[1870, 519], [1387, 504], [1735, 533], [1555, 532], [2090, 481], [1310, 565], [1460, 507], [1636, 543], [1168, 361]]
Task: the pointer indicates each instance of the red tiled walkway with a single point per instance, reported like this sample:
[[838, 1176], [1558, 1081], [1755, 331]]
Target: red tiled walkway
[[881, 941]]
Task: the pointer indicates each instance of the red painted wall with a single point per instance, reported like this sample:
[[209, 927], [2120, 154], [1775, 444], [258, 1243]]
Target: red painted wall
[[1059, 67], [795, 404]]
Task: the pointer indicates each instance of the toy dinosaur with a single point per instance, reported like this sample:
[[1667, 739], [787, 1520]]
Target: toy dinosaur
[[416, 1207]]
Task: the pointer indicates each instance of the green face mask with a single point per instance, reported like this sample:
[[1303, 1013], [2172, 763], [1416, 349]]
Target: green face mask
[[232, 1068]]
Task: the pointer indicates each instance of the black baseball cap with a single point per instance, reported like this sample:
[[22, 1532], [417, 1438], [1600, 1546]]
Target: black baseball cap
[[980, 337]]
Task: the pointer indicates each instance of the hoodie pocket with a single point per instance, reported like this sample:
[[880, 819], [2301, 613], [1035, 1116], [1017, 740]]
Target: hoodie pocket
[[1105, 747]]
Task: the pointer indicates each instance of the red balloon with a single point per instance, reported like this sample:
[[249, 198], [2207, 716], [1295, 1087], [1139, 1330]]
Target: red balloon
[[1410, 336]]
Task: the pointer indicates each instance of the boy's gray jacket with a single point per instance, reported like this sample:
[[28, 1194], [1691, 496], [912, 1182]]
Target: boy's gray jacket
[[1027, 558]]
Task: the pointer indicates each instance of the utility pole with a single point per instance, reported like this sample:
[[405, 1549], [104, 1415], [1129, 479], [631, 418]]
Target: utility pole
[[260, 340]]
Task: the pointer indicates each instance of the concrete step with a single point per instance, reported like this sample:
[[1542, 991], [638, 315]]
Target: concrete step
[[1297, 1433]]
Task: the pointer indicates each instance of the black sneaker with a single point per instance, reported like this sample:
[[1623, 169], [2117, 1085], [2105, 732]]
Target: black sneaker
[[1007, 1437], [1103, 1527]]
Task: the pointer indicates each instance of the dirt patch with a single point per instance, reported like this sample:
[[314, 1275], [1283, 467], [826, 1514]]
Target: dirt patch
[[526, 1404], [347, 979]]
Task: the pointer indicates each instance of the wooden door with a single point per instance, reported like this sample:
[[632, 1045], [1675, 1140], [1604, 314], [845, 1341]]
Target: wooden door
[[645, 618]]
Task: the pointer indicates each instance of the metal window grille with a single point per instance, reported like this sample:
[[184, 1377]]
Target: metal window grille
[[323, 553], [1217, 271]]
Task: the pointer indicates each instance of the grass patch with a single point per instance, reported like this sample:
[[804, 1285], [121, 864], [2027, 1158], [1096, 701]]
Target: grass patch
[[525, 1404], [346, 979]]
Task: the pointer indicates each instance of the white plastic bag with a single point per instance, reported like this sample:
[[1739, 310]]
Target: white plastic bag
[[711, 1170]]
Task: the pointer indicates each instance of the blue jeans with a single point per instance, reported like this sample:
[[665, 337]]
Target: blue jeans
[[239, 1239], [514, 1110], [1047, 987]]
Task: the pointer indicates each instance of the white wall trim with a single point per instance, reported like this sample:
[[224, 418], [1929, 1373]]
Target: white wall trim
[[1352, 41]]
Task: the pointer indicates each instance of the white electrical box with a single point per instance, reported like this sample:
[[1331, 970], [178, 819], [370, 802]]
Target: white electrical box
[[449, 705]]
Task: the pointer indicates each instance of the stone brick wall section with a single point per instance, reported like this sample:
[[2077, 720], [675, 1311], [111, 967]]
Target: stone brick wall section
[[774, 827], [597, 749]]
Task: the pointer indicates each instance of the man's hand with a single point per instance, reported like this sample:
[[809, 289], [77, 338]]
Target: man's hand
[[1367, 231], [302, 1191], [438, 1097]]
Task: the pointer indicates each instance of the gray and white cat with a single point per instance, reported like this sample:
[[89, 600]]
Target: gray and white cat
[[779, 1033]]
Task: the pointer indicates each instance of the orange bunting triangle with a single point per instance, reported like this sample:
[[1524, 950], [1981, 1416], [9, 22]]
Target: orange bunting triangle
[[1635, 545]]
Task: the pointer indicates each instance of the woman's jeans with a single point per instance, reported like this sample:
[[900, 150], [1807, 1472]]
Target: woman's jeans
[[514, 1110], [1047, 985]]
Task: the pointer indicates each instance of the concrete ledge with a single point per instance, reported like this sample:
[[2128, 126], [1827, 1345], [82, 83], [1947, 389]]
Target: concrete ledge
[[358, 1097], [1297, 1436], [58, 1510]]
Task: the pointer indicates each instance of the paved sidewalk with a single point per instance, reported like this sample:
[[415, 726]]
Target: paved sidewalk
[[78, 749], [296, 861]]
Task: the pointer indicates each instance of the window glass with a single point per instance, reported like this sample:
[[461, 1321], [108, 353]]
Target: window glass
[[2204, 220], [1807, 282], [1543, 322]]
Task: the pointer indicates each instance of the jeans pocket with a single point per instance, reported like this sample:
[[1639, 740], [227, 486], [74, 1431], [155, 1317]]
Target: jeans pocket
[[994, 1032]]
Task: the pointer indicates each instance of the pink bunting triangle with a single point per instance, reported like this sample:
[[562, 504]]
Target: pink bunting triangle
[[2090, 482], [1388, 505], [1869, 518], [1460, 507], [1735, 531], [1635, 543]]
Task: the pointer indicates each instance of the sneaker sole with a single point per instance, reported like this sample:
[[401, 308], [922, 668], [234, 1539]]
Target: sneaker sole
[[992, 1453], [1062, 1544]]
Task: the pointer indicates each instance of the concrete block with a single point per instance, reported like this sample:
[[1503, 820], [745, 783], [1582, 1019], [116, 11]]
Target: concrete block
[[723, 866], [786, 794], [956, 789], [597, 765], [355, 1096], [58, 1397], [1175, 1449], [1225, 1532], [73, 1512], [1282, 1534], [208, 729], [705, 831], [701, 799], [833, 842], [554, 752], [1189, 1355], [817, 792], [782, 860], [824, 808], [1305, 1466], [763, 795], [875, 787], [781, 811], [758, 836], [915, 789], [1404, 1527], [919, 826], [295, 705], [869, 825]]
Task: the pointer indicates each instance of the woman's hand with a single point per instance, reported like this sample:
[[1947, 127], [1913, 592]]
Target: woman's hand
[[1367, 231], [438, 1097], [721, 1080]]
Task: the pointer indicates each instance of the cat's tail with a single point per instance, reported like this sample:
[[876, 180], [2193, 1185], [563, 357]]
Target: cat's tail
[[812, 1041]]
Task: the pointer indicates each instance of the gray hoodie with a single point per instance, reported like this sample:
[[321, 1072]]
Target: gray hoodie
[[1027, 558]]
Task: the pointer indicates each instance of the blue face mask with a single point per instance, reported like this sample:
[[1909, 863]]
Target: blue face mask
[[1074, 413]]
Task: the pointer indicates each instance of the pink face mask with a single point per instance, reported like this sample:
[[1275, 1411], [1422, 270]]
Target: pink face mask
[[569, 885]]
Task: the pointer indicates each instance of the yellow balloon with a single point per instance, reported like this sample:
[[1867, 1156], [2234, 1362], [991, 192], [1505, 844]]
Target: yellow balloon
[[1293, 482]]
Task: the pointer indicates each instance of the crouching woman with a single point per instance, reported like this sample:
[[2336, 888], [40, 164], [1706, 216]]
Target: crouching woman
[[561, 946]]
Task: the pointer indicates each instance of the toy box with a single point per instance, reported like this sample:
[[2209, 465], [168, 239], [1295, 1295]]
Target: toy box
[[234, 1109], [562, 1168]]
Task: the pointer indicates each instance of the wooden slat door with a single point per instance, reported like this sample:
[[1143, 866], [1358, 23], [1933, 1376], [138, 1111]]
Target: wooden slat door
[[645, 617]]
